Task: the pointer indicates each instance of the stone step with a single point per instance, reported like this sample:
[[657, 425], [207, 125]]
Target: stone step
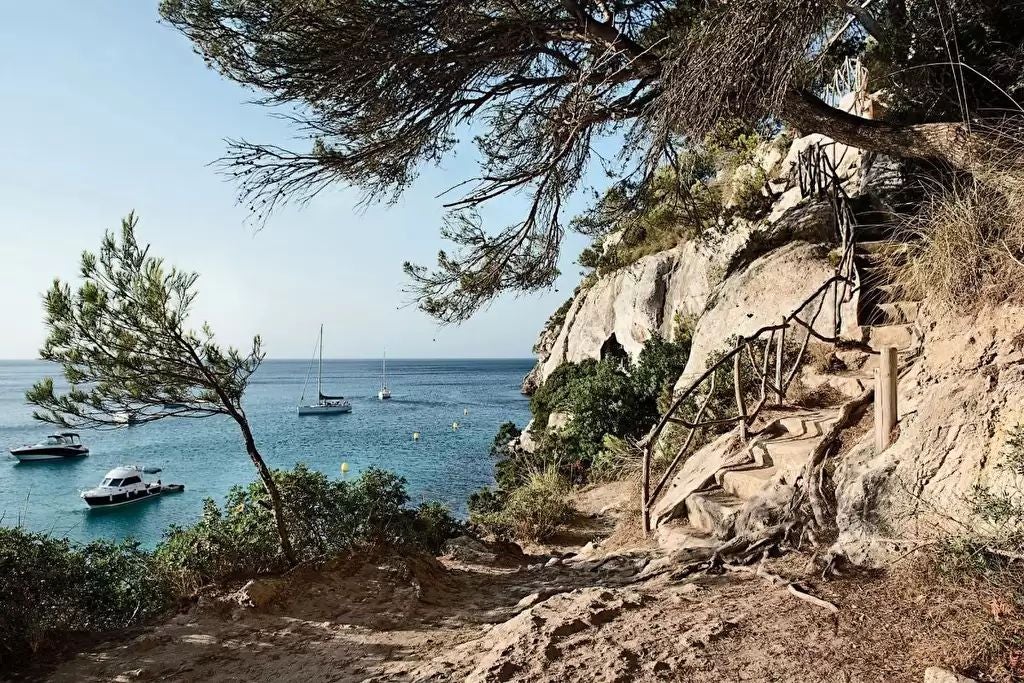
[[789, 457], [808, 425], [747, 484], [880, 246], [880, 336], [712, 512], [898, 312], [676, 535]]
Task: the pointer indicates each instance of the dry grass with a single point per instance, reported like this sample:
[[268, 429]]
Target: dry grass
[[965, 245], [822, 396]]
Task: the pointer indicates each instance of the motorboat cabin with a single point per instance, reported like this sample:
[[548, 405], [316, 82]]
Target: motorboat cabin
[[126, 484]]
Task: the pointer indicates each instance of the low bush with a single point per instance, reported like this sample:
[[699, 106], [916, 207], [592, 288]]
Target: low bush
[[531, 512], [54, 588], [326, 517]]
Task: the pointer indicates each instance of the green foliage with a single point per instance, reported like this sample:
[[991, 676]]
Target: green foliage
[[507, 431], [533, 511], [326, 517], [54, 588], [603, 398], [122, 343]]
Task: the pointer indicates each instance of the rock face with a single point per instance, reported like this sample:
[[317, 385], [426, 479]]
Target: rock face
[[956, 406], [759, 294], [754, 269]]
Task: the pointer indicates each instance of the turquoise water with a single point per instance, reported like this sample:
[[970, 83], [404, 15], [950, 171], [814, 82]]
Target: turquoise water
[[208, 457]]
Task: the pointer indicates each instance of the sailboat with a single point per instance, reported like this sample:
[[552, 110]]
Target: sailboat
[[385, 393], [325, 405]]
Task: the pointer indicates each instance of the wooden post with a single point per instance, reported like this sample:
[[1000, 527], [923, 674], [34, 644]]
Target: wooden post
[[741, 405], [779, 349], [885, 398], [645, 504]]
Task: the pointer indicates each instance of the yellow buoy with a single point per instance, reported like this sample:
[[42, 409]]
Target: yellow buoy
[[344, 468], [415, 436]]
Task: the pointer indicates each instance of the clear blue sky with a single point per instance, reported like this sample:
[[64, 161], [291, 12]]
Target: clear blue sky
[[106, 110]]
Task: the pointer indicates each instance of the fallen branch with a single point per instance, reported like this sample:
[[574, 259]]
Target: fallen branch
[[791, 586]]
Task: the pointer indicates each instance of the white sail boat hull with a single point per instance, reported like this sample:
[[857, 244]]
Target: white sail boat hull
[[384, 394], [344, 407]]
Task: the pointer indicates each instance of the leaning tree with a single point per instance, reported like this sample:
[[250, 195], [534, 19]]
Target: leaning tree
[[124, 347], [383, 87]]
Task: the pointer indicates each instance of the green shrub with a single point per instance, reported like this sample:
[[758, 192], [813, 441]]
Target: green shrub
[[54, 588], [326, 518], [507, 431], [533, 511]]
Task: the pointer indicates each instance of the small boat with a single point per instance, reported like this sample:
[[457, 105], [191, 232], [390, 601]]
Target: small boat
[[325, 405], [61, 446], [124, 485], [125, 418], [385, 393]]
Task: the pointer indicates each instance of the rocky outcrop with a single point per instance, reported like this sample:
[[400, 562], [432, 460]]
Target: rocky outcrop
[[957, 403], [759, 294], [753, 269]]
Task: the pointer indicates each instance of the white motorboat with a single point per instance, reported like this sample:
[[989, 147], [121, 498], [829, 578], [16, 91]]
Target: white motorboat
[[325, 405], [124, 485], [385, 393], [63, 446]]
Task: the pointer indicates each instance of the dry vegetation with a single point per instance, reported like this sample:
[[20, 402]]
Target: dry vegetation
[[965, 245]]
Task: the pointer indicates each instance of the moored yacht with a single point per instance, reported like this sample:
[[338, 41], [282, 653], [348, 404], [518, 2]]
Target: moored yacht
[[385, 393], [123, 485], [325, 405], [60, 446]]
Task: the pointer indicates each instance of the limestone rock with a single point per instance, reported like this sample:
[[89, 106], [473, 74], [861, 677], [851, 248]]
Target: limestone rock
[[259, 593], [937, 674], [759, 294], [956, 406]]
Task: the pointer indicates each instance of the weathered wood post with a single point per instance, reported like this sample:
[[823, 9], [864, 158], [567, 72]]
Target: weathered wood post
[[780, 393], [741, 405], [645, 502], [885, 398]]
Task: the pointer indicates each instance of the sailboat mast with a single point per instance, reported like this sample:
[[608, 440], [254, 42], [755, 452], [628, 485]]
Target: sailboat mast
[[384, 371], [320, 366]]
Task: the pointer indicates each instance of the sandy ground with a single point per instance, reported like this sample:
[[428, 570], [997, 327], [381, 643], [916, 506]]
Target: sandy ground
[[481, 614]]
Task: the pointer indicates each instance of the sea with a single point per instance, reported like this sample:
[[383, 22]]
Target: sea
[[208, 457]]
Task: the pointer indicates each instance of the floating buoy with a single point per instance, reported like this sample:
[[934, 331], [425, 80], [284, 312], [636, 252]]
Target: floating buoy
[[344, 468], [415, 436], [455, 426], [465, 411]]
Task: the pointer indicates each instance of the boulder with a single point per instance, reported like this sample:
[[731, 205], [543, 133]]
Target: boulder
[[937, 674], [259, 593]]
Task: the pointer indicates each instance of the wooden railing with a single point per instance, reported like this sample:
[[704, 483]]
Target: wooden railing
[[850, 78], [769, 372]]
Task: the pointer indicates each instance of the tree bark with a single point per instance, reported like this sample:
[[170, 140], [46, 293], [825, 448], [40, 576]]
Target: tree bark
[[271, 486], [953, 143]]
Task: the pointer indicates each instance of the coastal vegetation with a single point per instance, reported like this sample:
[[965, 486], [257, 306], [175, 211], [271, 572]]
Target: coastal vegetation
[[123, 344], [608, 403], [56, 589]]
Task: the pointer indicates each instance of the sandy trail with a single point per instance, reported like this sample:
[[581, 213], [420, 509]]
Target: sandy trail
[[485, 615]]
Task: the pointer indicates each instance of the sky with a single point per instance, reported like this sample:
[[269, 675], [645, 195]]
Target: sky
[[106, 110]]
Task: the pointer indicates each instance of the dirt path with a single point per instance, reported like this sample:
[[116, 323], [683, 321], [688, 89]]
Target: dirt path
[[479, 615]]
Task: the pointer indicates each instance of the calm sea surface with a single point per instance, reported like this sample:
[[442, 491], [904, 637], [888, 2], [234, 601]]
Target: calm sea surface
[[208, 457]]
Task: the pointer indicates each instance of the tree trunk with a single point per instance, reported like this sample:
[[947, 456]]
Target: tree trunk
[[268, 483], [953, 143]]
